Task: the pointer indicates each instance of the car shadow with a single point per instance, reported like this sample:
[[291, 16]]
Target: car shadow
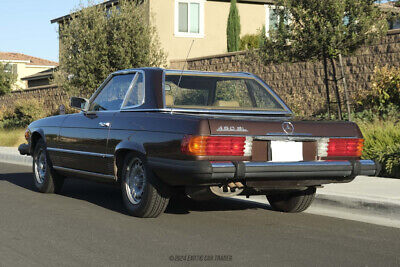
[[184, 205], [109, 196]]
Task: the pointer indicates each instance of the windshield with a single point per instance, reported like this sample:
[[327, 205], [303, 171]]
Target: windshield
[[218, 92]]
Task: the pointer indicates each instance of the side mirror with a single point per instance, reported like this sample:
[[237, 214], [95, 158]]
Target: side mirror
[[79, 103]]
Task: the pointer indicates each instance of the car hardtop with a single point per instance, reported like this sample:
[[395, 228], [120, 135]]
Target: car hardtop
[[155, 91]]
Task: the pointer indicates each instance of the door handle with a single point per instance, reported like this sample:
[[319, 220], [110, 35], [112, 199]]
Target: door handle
[[105, 124]]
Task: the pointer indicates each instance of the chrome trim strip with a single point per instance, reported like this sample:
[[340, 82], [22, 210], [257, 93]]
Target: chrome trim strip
[[227, 111], [293, 134], [99, 175], [300, 163], [344, 163], [296, 137], [100, 88], [133, 82], [80, 152], [123, 107], [222, 164]]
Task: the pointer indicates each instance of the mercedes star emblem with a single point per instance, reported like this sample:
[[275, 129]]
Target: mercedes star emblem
[[288, 127]]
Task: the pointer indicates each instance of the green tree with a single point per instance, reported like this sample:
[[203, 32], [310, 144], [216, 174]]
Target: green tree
[[233, 28], [7, 79], [96, 42], [322, 30]]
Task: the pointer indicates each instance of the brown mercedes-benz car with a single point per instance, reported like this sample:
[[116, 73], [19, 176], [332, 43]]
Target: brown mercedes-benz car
[[157, 132]]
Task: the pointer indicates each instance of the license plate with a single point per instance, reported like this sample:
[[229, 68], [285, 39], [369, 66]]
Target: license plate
[[286, 151]]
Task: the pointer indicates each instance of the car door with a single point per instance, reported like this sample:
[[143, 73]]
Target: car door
[[83, 136]]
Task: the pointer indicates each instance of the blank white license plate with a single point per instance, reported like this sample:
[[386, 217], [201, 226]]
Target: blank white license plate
[[283, 151]]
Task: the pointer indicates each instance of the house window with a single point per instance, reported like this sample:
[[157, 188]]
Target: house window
[[189, 18], [272, 18]]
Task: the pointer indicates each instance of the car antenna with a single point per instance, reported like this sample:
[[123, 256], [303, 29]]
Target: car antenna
[[184, 65]]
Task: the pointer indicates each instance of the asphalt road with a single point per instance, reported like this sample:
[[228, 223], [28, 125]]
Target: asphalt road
[[86, 226]]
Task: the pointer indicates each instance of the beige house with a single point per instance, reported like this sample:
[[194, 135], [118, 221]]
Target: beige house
[[179, 22], [24, 65]]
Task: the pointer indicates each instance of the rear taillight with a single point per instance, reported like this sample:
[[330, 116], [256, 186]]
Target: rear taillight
[[340, 147], [216, 145]]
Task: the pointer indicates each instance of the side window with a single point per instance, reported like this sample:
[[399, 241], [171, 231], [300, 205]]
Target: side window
[[263, 99], [135, 96], [113, 94]]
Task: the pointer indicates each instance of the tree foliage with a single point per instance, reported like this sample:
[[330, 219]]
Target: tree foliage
[[233, 28], [319, 29], [7, 80], [97, 41]]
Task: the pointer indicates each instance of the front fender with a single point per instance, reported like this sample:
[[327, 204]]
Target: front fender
[[36, 134]]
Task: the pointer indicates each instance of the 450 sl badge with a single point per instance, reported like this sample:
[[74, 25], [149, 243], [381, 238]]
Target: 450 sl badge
[[232, 129]]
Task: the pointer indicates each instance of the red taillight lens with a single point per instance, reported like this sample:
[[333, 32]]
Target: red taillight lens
[[345, 147], [216, 146]]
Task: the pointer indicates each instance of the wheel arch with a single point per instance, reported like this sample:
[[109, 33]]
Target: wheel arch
[[123, 149], [35, 137]]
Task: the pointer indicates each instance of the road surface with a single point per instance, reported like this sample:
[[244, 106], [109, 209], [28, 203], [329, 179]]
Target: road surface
[[86, 226]]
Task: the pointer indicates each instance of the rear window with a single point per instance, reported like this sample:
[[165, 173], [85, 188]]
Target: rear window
[[218, 92]]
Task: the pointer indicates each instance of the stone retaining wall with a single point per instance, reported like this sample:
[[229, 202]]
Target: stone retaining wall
[[51, 97], [301, 84]]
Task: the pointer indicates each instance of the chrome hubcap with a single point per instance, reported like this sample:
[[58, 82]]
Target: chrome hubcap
[[40, 166], [135, 181]]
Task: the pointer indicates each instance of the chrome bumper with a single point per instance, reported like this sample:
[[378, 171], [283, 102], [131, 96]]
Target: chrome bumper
[[309, 169]]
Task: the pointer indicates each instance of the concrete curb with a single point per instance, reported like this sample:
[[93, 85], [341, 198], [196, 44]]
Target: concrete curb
[[371, 205], [11, 155]]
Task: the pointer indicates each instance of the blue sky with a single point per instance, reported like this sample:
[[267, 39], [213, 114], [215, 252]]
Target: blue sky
[[25, 26]]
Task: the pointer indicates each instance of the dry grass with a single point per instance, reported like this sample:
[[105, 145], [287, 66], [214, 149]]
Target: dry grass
[[12, 137]]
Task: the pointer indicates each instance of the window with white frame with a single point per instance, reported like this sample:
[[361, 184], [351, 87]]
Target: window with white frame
[[189, 18], [272, 18]]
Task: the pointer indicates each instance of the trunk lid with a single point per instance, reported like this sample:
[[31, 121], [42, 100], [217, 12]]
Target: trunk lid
[[282, 127]]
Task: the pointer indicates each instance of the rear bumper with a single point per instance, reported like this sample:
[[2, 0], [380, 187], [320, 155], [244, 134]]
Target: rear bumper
[[180, 172]]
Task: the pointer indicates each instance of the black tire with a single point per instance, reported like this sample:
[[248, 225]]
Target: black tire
[[292, 202], [45, 178], [143, 194]]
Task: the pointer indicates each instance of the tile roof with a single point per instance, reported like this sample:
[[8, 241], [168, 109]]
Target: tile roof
[[32, 60]]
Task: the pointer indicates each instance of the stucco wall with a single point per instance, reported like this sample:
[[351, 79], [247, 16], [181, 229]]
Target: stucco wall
[[24, 70], [301, 84], [252, 18]]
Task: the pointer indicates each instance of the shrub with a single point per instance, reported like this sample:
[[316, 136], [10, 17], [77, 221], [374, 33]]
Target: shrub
[[250, 41], [23, 114], [96, 42], [382, 143], [385, 91]]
